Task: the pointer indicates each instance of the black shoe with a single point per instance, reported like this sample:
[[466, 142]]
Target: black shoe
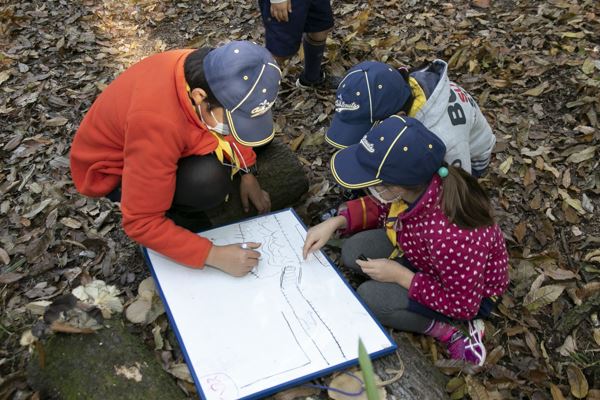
[[327, 82]]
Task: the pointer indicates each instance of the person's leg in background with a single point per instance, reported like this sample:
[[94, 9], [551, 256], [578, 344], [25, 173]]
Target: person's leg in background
[[283, 37], [319, 22], [202, 184], [314, 49]]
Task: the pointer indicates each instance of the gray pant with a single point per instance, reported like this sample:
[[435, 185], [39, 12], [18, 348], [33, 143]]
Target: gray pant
[[388, 301]]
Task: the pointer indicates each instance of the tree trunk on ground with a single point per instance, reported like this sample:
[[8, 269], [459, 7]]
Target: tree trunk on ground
[[280, 174], [84, 366], [421, 379]]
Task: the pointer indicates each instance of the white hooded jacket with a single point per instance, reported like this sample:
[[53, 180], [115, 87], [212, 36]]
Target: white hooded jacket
[[450, 112]]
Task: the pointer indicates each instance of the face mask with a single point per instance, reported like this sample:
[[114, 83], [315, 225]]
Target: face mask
[[220, 128], [378, 197]]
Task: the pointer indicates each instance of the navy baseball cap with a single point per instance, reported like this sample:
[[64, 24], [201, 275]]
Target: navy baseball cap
[[398, 151], [370, 92], [245, 79]]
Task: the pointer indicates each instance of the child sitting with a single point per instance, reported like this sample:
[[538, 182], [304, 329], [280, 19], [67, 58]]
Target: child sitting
[[455, 260]]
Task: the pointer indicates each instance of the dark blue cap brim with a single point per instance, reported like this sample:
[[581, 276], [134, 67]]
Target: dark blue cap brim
[[348, 172], [342, 134], [250, 131]]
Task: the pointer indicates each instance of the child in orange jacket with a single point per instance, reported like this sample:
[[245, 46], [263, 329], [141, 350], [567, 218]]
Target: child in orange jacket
[[165, 139]]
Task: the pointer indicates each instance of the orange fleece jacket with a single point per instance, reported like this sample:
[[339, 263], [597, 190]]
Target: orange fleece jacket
[[134, 134]]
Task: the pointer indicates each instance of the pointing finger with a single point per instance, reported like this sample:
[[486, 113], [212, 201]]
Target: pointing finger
[[308, 245]]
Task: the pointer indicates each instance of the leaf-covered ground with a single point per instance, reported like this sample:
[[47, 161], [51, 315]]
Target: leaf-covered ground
[[533, 66]]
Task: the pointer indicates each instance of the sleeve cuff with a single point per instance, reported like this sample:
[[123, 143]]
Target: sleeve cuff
[[346, 214]]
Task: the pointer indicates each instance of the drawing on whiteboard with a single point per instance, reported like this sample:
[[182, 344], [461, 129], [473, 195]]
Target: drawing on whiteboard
[[220, 386], [288, 320], [311, 322]]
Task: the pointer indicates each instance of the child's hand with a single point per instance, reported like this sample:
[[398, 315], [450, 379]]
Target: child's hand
[[386, 270], [250, 191], [280, 11], [318, 235], [234, 259]]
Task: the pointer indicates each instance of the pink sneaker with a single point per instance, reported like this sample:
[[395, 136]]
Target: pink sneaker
[[469, 348]]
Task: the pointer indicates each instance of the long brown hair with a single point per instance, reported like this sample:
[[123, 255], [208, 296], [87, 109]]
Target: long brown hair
[[464, 201]]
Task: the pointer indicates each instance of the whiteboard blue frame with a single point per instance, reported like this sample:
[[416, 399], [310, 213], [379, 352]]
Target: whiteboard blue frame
[[293, 382]]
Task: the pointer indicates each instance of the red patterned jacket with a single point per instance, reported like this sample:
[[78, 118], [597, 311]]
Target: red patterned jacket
[[456, 267]]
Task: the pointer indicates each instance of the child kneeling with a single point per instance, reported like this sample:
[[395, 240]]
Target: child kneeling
[[455, 261]]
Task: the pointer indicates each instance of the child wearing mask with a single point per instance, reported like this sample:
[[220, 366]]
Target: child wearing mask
[[165, 140], [454, 260]]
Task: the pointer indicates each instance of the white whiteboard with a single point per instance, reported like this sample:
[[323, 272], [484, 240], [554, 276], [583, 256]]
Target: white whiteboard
[[286, 322]]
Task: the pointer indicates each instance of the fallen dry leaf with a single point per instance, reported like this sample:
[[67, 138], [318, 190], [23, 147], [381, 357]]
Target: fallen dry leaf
[[70, 222], [582, 156], [505, 166], [4, 257], [569, 346], [101, 295], [520, 231], [556, 392], [594, 394], [296, 142], [538, 90], [577, 381], [476, 389], [138, 311], [538, 298], [27, 339], [481, 3], [352, 382], [10, 277], [147, 306], [132, 373], [297, 392], [593, 256], [181, 371]]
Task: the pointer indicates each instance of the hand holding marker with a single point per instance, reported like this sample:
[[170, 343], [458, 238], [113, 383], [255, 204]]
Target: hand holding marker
[[247, 246], [236, 259]]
